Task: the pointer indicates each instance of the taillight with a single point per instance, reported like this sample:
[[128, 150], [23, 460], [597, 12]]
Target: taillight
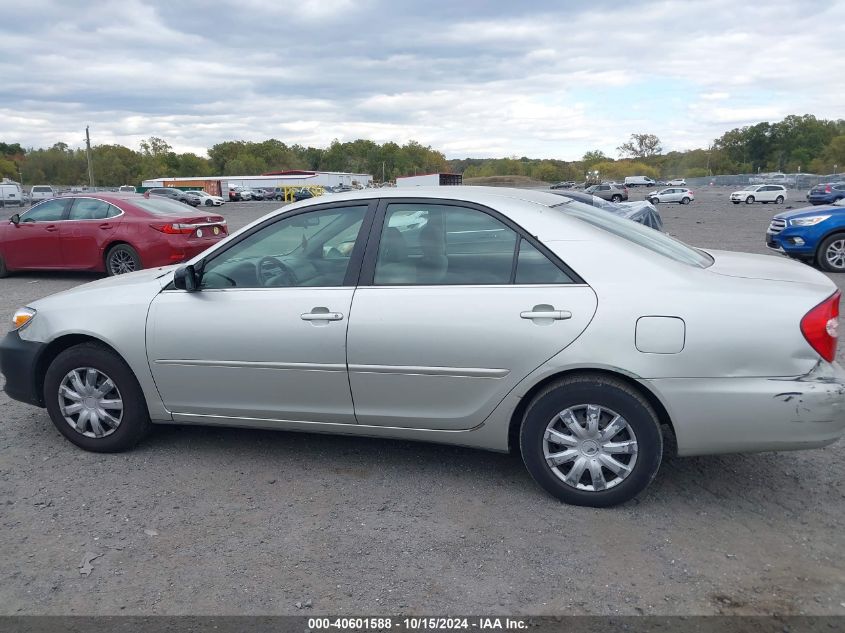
[[175, 229], [820, 326], [827, 189]]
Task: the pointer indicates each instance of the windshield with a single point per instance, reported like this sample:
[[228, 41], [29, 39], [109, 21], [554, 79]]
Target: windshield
[[639, 234]]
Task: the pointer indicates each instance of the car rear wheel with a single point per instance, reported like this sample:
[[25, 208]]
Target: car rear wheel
[[616, 198], [684, 200], [4, 272], [779, 200], [94, 399], [749, 200], [591, 440], [831, 254], [122, 259]]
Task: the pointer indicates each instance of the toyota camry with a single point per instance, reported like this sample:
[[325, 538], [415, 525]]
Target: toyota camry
[[500, 319]]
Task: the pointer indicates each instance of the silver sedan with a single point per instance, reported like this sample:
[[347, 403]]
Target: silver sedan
[[484, 317]]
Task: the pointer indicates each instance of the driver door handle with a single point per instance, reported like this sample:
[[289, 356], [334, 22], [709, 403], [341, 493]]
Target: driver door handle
[[51, 228], [321, 314]]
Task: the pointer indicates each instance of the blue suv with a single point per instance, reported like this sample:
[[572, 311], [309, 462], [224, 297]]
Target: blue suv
[[815, 235], [826, 193]]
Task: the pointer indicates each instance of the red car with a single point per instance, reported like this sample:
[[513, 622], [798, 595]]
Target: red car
[[110, 232]]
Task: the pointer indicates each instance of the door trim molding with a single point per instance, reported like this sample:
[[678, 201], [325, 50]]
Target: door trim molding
[[253, 364], [420, 370]]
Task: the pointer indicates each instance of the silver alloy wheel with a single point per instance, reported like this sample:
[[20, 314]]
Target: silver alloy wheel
[[835, 254], [590, 447], [121, 262], [90, 402]]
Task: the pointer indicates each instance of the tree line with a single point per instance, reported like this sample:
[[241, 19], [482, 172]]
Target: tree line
[[797, 143]]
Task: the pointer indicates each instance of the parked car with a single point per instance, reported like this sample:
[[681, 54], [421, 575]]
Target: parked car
[[639, 181], [110, 232], [463, 328], [826, 193], [126, 189], [206, 198], [814, 234], [255, 194], [677, 182], [174, 194], [11, 194], [565, 184], [239, 194], [41, 192], [760, 193], [681, 195], [302, 194], [642, 211], [609, 191]]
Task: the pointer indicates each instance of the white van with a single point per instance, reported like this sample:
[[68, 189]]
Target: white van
[[126, 189], [639, 181], [41, 192], [11, 193]]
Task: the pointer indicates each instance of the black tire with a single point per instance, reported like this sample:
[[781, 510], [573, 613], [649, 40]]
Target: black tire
[[122, 254], [749, 200], [655, 201], [135, 420], [735, 201], [606, 392], [779, 200], [685, 200], [616, 198], [4, 272], [209, 202], [822, 261]]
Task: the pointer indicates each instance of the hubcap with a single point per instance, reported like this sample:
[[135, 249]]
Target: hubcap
[[835, 254], [121, 262], [90, 402], [590, 447]]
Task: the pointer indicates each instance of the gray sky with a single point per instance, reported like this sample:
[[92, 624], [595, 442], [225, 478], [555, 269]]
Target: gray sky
[[539, 79]]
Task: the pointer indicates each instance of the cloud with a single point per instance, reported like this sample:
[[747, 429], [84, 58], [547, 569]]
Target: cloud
[[473, 78]]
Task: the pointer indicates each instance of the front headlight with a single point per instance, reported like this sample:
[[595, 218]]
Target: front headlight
[[22, 317], [810, 221]]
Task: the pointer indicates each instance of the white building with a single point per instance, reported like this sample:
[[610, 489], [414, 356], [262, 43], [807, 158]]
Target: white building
[[429, 180], [217, 185]]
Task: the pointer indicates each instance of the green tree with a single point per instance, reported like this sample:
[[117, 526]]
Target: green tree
[[640, 146]]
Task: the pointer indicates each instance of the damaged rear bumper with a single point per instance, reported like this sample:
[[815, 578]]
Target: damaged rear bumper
[[735, 415]]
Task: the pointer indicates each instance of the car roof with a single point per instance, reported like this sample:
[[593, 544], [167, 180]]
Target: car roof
[[479, 195]]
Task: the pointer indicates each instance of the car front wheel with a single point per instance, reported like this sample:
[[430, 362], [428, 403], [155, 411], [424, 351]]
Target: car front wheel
[[95, 400], [655, 201], [591, 440], [616, 198], [831, 254], [749, 200]]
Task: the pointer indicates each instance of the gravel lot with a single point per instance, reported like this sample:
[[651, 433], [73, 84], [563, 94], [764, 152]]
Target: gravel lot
[[217, 521]]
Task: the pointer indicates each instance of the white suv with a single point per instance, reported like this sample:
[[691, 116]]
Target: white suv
[[41, 192], [760, 193]]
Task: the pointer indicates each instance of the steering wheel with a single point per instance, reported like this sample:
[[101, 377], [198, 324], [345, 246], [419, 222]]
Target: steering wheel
[[269, 267]]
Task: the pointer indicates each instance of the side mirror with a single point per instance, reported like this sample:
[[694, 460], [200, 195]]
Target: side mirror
[[15, 219], [186, 278]]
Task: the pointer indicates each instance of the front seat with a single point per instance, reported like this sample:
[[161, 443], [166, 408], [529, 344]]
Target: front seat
[[393, 266], [432, 268]]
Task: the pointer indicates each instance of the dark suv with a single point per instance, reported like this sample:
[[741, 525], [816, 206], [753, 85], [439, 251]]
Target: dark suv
[[826, 193], [174, 194]]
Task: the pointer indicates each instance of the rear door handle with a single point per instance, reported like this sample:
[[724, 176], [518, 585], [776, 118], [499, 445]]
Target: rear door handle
[[105, 225], [555, 315], [321, 314], [51, 228]]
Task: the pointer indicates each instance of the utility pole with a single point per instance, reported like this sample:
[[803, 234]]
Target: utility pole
[[88, 153], [382, 172]]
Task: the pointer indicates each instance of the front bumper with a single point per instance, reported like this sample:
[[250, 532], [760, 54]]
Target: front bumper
[[737, 415], [18, 364]]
